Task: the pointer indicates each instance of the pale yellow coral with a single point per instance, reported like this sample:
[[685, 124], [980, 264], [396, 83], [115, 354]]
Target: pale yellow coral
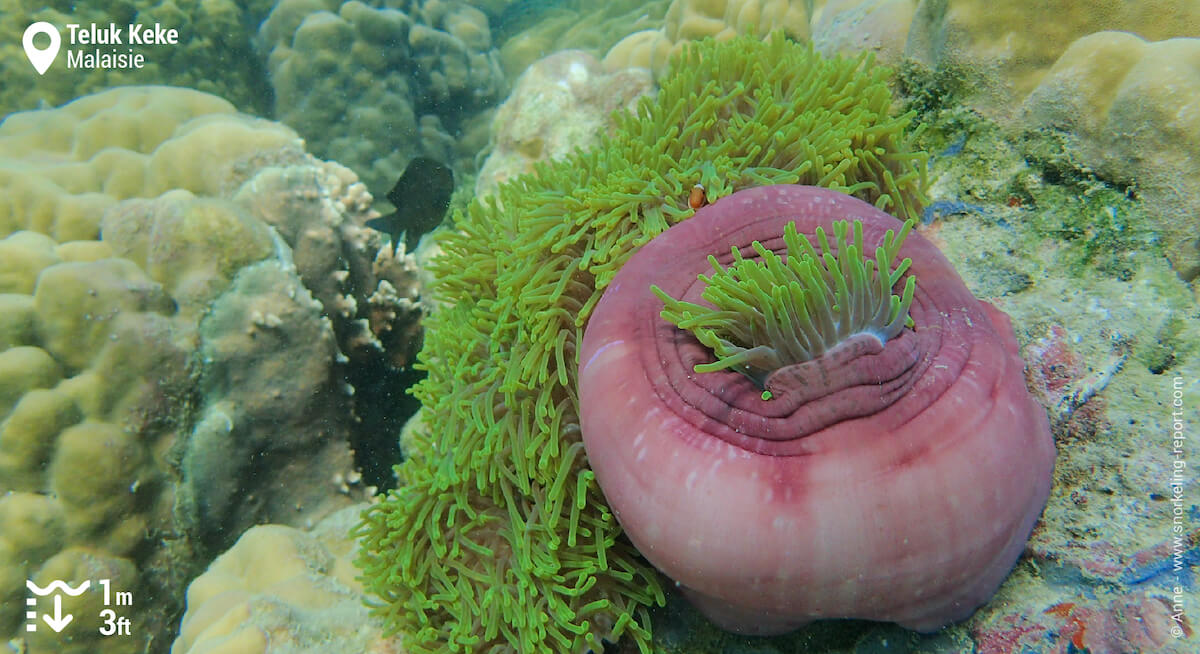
[[61, 168], [191, 245], [279, 589], [594, 28], [1016, 43], [33, 527], [99, 339], [16, 320], [22, 257], [1131, 110], [23, 369], [75, 305], [28, 436], [692, 20], [645, 49]]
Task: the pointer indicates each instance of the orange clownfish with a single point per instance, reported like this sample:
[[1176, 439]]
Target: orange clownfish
[[696, 198]]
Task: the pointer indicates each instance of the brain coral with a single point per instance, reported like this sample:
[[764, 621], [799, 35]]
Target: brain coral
[[498, 538], [887, 473]]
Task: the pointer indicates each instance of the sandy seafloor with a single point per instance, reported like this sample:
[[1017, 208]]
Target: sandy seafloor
[[198, 334]]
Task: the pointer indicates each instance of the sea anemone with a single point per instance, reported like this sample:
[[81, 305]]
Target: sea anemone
[[497, 537], [896, 465]]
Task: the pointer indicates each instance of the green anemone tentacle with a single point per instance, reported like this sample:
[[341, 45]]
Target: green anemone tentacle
[[497, 537], [769, 312]]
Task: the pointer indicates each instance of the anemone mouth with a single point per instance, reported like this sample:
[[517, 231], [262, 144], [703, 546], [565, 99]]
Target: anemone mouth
[[885, 368], [769, 312], [859, 377]]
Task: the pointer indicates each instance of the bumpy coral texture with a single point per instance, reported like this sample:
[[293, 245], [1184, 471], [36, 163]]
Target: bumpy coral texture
[[895, 477], [1015, 43], [692, 20], [1128, 107], [372, 87], [528, 32], [213, 55], [498, 538], [95, 366], [165, 354], [282, 589], [560, 103]]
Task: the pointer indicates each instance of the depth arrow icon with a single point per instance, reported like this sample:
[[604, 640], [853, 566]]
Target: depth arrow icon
[[59, 621]]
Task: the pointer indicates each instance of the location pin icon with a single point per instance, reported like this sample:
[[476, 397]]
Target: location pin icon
[[41, 59]]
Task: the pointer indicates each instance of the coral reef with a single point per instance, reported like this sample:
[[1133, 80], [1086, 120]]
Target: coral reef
[[374, 87], [1127, 119], [496, 489], [530, 31], [280, 589], [181, 284], [213, 55], [1112, 80], [1006, 52], [369, 86]]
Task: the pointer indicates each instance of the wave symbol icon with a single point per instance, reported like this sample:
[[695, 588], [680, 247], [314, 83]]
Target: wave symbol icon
[[57, 620], [60, 586]]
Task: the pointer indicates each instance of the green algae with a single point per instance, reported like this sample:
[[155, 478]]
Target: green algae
[[497, 537], [1047, 230]]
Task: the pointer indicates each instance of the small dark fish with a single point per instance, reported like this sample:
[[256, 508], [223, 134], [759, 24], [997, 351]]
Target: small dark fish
[[420, 196]]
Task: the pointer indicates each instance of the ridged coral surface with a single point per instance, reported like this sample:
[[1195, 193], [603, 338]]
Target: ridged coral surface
[[498, 538]]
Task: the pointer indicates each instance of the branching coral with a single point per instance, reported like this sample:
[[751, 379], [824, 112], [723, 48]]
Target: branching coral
[[497, 537], [770, 312]]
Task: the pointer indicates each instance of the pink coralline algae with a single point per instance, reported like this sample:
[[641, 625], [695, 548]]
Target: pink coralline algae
[[1133, 622], [1059, 380], [891, 481]]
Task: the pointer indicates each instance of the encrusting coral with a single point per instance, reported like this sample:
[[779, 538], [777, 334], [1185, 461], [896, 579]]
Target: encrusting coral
[[497, 537]]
